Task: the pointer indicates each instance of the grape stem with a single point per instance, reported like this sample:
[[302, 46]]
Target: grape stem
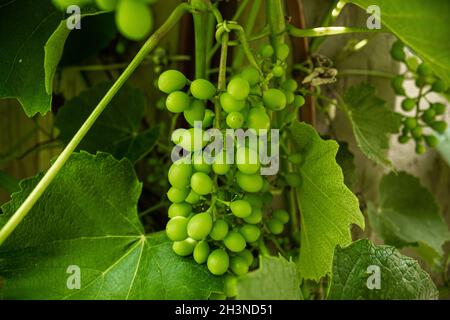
[[327, 31], [50, 175]]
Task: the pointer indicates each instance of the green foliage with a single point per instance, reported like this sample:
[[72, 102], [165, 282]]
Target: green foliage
[[90, 220], [117, 129], [276, 279], [346, 161], [408, 214], [327, 206], [400, 277], [372, 122], [8, 183]]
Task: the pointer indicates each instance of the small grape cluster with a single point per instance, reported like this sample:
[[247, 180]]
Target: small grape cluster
[[426, 81], [219, 211], [134, 18]]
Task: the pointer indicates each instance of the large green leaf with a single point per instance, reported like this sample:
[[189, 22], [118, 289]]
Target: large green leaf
[[372, 122], [327, 206], [408, 212], [422, 25], [276, 279], [400, 276], [8, 183], [88, 218], [117, 129]]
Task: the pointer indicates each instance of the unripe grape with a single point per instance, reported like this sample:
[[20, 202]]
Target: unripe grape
[[106, 5], [408, 104], [199, 163], [182, 209], [234, 241], [249, 182], [258, 119], [201, 183], [238, 265], [250, 232], [209, 118], [200, 226], [247, 160], [220, 165], [188, 140], [219, 230], [439, 126], [134, 19], [180, 174], [424, 70], [282, 51], [193, 198], [267, 51], [177, 101], [296, 158], [281, 215], [176, 195], [278, 71], [397, 85], [247, 255], [429, 115], [275, 226], [230, 286], [171, 80], [253, 199], [417, 132], [218, 262], [202, 89], [412, 63], [290, 97], [229, 104], [410, 123], [235, 120], [299, 101], [185, 247], [241, 208], [438, 107], [290, 85], [431, 141], [420, 148], [274, 99], [238, 88], [255, 217], [439, 86], [176, 228], [201, 252], [195, 112], [293, 179], [397, 51], [403, 139], [251, 74]]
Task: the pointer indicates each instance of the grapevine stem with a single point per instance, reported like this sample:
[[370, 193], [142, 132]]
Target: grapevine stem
[[37, 192], [200, 32], [326, 31], [358, 72]]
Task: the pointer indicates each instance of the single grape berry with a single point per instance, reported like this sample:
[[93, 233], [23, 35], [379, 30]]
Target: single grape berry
[[238, 88], [219, 230], [235, 120], [202, 89], [267, 51], [431, 141], [397, 51], [293, 179], [429, 115], [182, 209], [290, 97], [171, 80], [134, 19], [199, 163], [200, 226], [410, 123], [249, 182], [281, 215], [176, 228], [290, 85], [420, 148], [439, 126], [403, 139], [250, 232], [438, 107], [258, 119], [177, 101], [247, 255], [397, 85], [201, 252], [274, 99], [241, 208], [408, 104], [251, 74], [255, 217], [424, 70], [195, 112], [176, 195], [299, 101], [275, 226], [201, 183], [282, 51], [220, 165], [439, 86], [238, 265], [185, 247], [234, 241], [209, 118], [230, 104], [193, 198], [278, 71], [218, 262], [417, 133], [247, 160]]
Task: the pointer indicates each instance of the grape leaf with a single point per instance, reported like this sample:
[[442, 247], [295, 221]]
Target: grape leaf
[[422, 25], [400, 276], [117, 129], [276, 279], [88, 218], [371, 120], [8, 183], [409, 212], [327, 206]]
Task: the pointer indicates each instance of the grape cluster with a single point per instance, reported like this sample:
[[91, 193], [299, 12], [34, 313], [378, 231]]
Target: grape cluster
[[134, 18], [219, 211], [415, 126]]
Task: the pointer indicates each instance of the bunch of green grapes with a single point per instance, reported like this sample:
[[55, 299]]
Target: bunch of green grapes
[[134, 18], [419, 125], [220, 211]]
